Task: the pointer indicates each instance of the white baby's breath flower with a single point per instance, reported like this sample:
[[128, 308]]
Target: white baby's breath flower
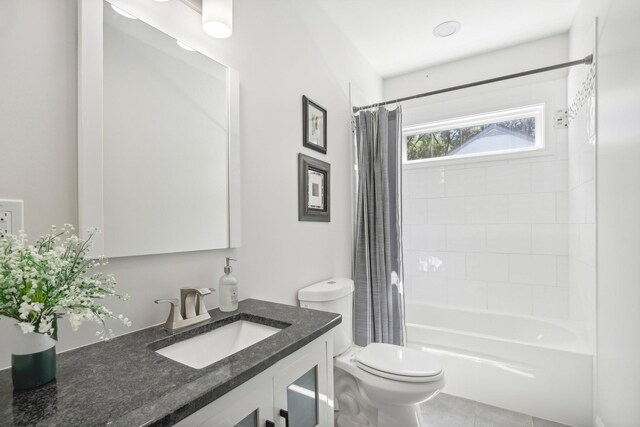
[[74, 320], [46, 325], [26, 327], [25, 309], [51, 277]]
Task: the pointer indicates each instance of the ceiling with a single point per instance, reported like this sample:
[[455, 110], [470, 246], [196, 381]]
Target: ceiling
[[396, 36]]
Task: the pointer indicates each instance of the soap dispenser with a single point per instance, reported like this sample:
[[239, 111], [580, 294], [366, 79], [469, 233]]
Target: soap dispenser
[[228, 290]]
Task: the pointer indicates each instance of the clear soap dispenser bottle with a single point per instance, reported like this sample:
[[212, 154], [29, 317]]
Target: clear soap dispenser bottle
[[228, 290]]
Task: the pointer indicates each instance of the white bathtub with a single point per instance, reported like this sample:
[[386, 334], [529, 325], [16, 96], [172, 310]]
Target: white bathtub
[[516, 362]]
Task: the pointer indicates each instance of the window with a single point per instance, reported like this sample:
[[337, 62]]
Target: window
[[507, 131]]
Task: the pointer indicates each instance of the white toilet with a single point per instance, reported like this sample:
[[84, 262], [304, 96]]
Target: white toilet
[[380, 385]]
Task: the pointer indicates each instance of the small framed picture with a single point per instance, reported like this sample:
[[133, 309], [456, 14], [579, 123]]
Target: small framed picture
[[314, 125], [314, 177]]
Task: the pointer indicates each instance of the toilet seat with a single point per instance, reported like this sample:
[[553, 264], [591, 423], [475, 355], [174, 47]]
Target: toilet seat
[[398, 363]]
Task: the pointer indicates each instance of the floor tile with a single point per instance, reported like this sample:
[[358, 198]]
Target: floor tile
[[538, 422], [491, 416], [445, 410]]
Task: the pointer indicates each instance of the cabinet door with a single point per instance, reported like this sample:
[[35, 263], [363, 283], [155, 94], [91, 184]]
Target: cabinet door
[[239, 408], [301, 390]]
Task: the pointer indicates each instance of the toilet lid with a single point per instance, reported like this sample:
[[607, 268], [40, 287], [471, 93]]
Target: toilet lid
[[397, 361]]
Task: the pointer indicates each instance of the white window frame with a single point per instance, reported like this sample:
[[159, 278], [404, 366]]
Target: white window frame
[[537, 111]]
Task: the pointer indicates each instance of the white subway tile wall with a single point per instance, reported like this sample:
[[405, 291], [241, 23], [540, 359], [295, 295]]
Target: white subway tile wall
[[533, 269], [446, 210], [550, 301], [466, 238], [487, 209], [432, 290], [426, 238], [552, 239], [509, 238], [538, 208], [488, 266], [510, 297], [467, 293], [496, 235]]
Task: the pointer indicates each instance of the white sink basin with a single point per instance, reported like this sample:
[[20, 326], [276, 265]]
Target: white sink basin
[[208, 348]]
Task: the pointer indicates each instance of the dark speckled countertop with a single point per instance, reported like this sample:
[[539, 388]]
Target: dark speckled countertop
[[123, 382]]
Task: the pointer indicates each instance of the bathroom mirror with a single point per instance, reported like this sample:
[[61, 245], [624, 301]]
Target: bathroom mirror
[[157, 137]]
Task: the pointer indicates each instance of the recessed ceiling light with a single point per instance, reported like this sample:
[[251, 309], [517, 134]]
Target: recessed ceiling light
[[185, 46], [446, 29], [122, 12]]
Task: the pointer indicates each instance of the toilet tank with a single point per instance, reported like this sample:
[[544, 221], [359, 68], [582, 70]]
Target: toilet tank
[[335, 296]]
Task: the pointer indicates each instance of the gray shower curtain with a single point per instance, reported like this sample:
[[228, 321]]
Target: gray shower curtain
[[379, 295]]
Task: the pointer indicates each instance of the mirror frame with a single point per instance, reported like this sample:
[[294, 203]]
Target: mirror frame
[[90, 109]]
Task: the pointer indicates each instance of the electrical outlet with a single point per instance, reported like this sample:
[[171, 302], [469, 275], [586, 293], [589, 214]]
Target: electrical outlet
[[5, 224], [11, 217]]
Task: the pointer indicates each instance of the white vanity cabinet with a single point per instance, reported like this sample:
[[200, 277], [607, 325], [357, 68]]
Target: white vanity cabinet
[[296, 391]]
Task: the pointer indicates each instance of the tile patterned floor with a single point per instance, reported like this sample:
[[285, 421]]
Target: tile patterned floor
[[446, 410]]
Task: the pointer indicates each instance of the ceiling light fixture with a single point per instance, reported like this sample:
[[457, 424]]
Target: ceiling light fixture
[[185, 46], [217, 18], [122, 12], [446, 29]]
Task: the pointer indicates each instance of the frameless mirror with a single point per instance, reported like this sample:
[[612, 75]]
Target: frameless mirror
[[166, 141]]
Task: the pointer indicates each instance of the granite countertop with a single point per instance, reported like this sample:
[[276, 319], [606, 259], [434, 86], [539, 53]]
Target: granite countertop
[[124, 382]]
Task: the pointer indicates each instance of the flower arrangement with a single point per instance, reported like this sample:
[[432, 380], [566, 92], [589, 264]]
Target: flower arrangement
[[42, 282]]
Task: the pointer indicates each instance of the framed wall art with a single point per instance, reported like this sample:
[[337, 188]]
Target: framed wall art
[[314, 125], [314, 178]]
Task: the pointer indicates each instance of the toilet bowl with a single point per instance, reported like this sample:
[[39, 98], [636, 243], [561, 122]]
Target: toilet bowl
[[390, 391], [379, 384]]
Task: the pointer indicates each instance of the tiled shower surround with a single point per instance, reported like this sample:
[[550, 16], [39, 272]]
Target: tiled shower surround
[[491, 235]]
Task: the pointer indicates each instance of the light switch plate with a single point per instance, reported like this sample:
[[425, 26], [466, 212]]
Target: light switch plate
[[11, 216]]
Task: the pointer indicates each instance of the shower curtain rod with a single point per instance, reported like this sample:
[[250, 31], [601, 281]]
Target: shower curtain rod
[[586, 60]]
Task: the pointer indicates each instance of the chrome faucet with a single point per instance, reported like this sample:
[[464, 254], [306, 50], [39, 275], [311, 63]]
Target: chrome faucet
[[191, 308]]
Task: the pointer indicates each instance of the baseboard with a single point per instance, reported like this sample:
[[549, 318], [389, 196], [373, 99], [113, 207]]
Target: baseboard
[[598, 422]]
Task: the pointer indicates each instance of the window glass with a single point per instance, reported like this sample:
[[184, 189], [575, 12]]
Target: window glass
[[302, 400], [250, 420], [476, 135]]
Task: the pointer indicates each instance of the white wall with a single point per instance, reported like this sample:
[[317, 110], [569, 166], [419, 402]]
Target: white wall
[[281, 51], [527, 56], [618, 207], [582, 189], [489, 235]]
